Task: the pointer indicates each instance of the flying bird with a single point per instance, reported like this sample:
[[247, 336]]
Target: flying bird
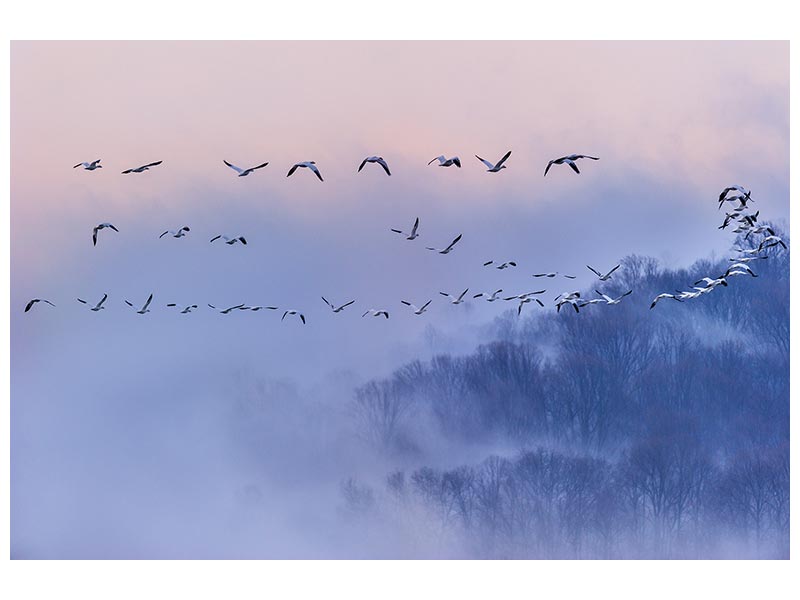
[[89, 166], [601, 276], [176, 234], [227, 310], [453, 299], [572, 298], [501, 266], [375, 159], [258, 308], [98, 228], [448, 249], [446, 162], [230, 240], [496, 167], [773, 240], [337, 309], [34, 301], [609, 300], [306, 165], [525, 300], [98, 306], [185, 310], [144, 308], [712, 283], [759, 229], [739, 268], [376, 313], [489, 297], [418, 310], [244, 172], [551, 275], [569, 160], [410, 236], [662, 296], [294, 312], [526, 295], [143, 168], [743, 196]]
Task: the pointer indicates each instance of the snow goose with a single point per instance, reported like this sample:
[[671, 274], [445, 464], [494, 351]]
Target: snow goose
[[294, 312], [410, 236], [143, 168], [611, 301], [306, 165], [490, 297], [569, 160], [662, 296], [144, 308], [490, 168], [446, 162], [34, 301], [375, 159], [601, 276], [176, 234], [449, 248], [418, 310], [244, 172], [89, 166], [376, 313], [185, 309], [453, 299], [226, 311], [230, 240], [98, 228], [98, 306], [770, 241], [337, 309]]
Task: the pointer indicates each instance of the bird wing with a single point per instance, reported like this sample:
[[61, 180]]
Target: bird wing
[[457, 161], [234, 167], [112, 227], [163, 234], [126, 171], [31, 303], [485, 162], [292, 170], [406, 303], [146, 304], [128, 303], [303, 318], [463, 293], [346, 304], [416, 225], [78, 165], [574, 168], [587, 156], [316, 170], [361, 166], [241, 239], [550, 164], [487, 263], [453, 243], [424, 306], [326, 302], [385, 166], [215, 238], [439, 158], [502, 160], [261, 166], [570, 276], [94, 237], [153, 164], [103, 299], [396, 230], [594, 271], [612, 270]]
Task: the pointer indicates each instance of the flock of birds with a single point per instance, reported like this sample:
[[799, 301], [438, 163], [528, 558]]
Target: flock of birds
[[746, 222]]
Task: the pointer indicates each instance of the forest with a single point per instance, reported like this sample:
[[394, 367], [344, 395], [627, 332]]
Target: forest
[[618, 432]]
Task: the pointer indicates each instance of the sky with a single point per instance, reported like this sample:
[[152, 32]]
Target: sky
[[672, 123]]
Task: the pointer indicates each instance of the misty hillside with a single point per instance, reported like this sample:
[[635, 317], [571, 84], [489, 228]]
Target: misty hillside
[[618, 432]]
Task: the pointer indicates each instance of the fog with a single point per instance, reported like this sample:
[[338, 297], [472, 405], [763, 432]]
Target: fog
[[231, 436]]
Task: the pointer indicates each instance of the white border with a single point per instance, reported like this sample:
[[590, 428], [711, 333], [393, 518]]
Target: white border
[[434, 19]]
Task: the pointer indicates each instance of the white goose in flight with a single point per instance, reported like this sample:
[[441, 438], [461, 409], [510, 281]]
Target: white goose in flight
[[662, 296], [186, 309], [144, 308], [601, 276], [34, 301], [337, 309], [569, 160], [770, 241], [176, 234], [98, 306], [306, 165], [501, 266], [230, 240], [526, 300], [490, 297], [712, 283], [418, 310], [739, 268], [448, 249], [143, 168], [446, 162], [294, 312], [89, 166], [611, 301], [98, 228], [375, 159], [496, 167], [453, 299], [410, 236], [226, 310], [376, 313], [743, 196], [551, 275], [572, 298], [244, 172]]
